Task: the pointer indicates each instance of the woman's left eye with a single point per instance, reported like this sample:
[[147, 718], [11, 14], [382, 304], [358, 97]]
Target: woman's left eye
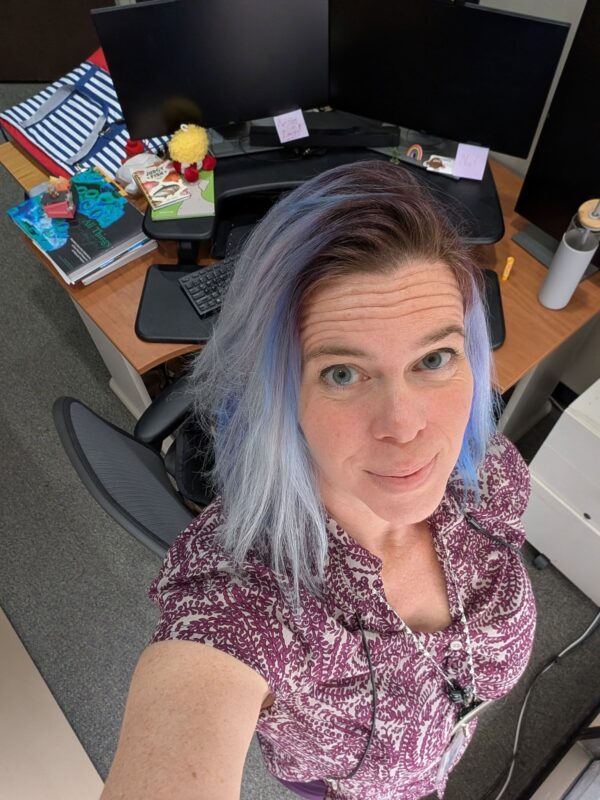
[[340, 375], [438, 359]]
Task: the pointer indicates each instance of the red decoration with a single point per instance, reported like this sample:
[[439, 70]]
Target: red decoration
[[191, 174], [177, 165], [60, 207], [209, 162], [133, 147]]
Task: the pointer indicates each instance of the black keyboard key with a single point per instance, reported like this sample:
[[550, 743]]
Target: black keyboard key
[[206, 287]]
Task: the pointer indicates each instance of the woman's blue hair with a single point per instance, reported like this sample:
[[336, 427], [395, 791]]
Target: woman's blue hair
[[371, 216]]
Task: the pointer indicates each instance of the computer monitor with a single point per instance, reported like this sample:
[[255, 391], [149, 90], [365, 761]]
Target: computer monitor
[[213, 62], [565, 169], [459, 71]]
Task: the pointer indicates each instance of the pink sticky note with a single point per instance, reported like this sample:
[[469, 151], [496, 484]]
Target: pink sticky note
[[291, 126], [470, 161]]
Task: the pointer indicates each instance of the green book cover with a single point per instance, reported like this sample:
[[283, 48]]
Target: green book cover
[[200, 204]]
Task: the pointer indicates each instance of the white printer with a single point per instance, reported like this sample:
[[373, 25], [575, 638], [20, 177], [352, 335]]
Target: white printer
[[562, 520]]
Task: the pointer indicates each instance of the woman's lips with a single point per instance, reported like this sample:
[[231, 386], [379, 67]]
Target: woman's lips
[[410, 481]]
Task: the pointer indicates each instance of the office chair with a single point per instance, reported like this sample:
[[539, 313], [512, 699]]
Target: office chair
[[126, 474]]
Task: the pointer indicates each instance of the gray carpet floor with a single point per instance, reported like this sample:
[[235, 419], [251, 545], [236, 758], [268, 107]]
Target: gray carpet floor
[[74, 584]]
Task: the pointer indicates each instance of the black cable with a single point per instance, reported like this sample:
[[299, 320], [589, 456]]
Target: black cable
[[489, 795], [492, 536], [262, 159], [373, 710]]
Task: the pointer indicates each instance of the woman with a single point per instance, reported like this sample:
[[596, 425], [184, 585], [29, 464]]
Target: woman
[[357, 586]]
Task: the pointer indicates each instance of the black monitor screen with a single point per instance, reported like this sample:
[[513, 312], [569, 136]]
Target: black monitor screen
[[214, 61], [565, 169], [462, 72]]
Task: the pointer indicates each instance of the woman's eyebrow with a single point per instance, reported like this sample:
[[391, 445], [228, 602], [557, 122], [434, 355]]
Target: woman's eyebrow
[[353, 352], [440, 334], [336, 350]]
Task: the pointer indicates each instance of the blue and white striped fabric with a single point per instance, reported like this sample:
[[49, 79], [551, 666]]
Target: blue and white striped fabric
[[77, 121]]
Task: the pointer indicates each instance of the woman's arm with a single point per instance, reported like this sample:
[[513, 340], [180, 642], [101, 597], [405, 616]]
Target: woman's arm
[[189, 720]]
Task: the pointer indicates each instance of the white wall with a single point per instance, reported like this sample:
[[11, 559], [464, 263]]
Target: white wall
[[560, 10]]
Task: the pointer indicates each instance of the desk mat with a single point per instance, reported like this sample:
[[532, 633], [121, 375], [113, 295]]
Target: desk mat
[[165, 314]]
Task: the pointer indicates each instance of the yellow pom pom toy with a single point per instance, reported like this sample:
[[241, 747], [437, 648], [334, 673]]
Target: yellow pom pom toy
[[188, 148], [189, 144]]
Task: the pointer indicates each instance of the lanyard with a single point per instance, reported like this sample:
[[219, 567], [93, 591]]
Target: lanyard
[[464, 698]]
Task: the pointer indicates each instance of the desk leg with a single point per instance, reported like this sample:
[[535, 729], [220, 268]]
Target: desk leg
[[125, 382], [530, 400]]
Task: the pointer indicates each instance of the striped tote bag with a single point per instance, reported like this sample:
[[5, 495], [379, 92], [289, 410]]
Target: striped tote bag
[[74, 123]]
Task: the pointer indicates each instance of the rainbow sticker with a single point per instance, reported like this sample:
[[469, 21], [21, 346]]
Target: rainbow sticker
[[415, 151]]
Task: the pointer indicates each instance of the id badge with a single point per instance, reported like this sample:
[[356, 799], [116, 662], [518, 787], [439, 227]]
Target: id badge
[[457, 740], [449, 755]]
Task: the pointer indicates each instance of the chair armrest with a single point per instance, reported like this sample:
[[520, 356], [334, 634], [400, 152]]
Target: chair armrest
[[165, 414]]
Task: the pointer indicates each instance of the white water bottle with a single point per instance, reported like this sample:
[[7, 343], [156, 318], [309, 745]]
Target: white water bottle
[[573, 255]]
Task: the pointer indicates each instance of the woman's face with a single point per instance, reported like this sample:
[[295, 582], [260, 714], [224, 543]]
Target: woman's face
[[386, 391]]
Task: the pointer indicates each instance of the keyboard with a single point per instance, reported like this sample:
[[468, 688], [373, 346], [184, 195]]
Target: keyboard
[[206, 287]]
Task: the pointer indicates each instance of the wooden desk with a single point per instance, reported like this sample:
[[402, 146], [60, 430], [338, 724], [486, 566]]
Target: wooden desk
[[537, 339]]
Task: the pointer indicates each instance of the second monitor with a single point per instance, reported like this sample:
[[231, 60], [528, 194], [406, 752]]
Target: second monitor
[[453, 70]]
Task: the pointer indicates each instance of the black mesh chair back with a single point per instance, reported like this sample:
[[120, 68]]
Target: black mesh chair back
[[126, 477]]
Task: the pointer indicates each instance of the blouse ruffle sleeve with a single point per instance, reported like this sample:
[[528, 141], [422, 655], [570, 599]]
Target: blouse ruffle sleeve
[[203, 598]]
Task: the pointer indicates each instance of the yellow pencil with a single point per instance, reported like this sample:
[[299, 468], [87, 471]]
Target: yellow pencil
[[507, 268], [110, 179]]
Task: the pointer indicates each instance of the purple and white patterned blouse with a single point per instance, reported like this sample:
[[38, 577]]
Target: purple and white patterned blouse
[[314, 660]]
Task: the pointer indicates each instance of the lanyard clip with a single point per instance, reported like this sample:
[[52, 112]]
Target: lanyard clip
[[461, 695]]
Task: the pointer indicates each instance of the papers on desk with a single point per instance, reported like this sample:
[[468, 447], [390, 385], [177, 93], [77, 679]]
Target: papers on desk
[[105, 233]]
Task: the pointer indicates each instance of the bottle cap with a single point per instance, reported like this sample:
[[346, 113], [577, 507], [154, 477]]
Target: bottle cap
[[589, 214]]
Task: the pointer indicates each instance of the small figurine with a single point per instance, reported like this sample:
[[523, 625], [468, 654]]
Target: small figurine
[[440, 164], [58, 201], [188, 148]]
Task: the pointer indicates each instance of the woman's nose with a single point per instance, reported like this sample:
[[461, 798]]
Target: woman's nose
[[400, 415]]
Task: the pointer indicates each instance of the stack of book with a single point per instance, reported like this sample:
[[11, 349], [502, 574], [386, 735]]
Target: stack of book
[[105, 233]]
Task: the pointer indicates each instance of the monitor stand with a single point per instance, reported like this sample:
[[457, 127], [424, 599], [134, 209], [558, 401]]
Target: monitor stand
[[233, 140], [542, 246], [329, 129], [232, 130]]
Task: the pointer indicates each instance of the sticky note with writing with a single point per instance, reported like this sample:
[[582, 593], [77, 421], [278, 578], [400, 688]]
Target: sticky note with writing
[[470, 161], [291, 126]]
